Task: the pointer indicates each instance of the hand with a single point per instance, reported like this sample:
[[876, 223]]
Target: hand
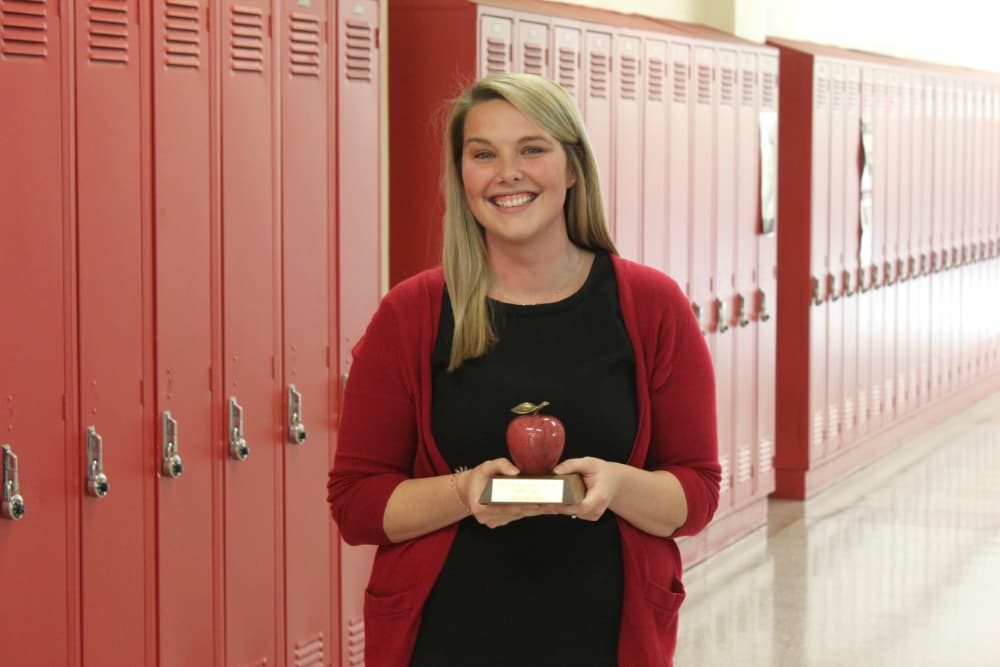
[[470, 486], [602, 480]]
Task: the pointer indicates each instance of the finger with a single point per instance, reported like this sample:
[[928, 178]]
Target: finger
[[570, 466]]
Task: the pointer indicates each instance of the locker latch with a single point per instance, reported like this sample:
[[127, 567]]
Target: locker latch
[[296, 429], [697, 316], [831, 287], [97, 481], [762, 314], [901, 275], [923, 263], [848, 288], [172, 464], [721, 325], [13, 503], [817, 301], [741, 310], [238, 448]]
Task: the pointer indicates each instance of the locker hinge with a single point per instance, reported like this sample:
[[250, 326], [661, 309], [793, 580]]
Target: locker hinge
[[142, 397], [211, 378], [138, 12], [270, 25], [208, 19], [377, 37], [327, 356], [273, 368], [65, 402], [326, 32]]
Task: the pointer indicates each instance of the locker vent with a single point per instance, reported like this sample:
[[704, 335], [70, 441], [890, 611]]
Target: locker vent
[[630, 72], [567, 69], [816, 435], [862, 406], [704, 84], [852, 95], [24, 29], [309, 652], [747, 84], [303, 38], [822, 93], [848, 414], [838, 94], [534, 59], [107, 32], [496, 55], [727, 93], [744, 465], [726, 485], [905, 96], [765, 455], [768, 91], [248, 39], [599, 74], [182, 33], [833, 421], [867, 94], [358, 51], [893, 96], [356, 642], [655, 72], [680, 82], [880, 102]]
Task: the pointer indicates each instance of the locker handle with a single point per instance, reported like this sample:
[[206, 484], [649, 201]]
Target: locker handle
[[697, 315], [13, 504], [97, 481], [831, 287], [721, 325], [887, 274], [846, 278], [172, 465], [863, 285], [901, 276], [911, 267], [296, 429], [923, 263], [815, 295], [238, 448], [741, 311], [992, 248], [762, 314]]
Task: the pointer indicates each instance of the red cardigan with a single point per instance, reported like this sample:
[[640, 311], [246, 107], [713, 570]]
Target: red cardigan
[[385, 438]]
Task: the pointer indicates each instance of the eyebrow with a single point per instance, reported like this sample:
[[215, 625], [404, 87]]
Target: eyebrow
[[522, 140]]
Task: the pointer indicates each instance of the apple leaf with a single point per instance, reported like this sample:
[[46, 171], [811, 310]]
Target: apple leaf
[[528, 408]]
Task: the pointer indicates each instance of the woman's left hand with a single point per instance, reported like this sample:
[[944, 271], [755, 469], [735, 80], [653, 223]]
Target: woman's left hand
[[602, 480]]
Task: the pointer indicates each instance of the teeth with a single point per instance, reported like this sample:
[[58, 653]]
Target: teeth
[[509, 201]]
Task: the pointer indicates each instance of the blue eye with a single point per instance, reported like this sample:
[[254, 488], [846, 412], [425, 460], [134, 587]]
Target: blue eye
[[533, 150], [482, 155]]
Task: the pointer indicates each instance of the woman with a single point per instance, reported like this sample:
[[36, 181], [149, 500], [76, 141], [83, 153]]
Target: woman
[[532, 304]]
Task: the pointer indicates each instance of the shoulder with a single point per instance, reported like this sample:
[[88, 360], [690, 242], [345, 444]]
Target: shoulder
[[416, 295], [645, 284]]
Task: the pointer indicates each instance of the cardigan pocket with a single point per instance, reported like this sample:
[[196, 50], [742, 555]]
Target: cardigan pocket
[[394, 604], [665, 600]]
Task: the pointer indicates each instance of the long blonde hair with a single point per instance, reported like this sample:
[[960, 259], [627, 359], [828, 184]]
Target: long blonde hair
[[465, 262]]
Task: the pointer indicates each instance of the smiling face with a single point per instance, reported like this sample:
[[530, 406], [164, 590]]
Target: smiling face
[[515, 176]]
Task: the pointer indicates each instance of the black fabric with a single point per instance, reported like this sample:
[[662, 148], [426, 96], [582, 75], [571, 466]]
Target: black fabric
[[543, 590]]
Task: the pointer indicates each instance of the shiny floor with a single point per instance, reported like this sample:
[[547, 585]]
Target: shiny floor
[[898, 564]]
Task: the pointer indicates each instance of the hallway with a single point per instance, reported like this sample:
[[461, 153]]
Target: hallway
[[898, 564]]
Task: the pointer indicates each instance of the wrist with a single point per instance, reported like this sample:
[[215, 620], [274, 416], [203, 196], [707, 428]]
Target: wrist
[[460, 489]]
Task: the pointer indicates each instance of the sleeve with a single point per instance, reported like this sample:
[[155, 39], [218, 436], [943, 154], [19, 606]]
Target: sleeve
[[684, 428], [377, 437]]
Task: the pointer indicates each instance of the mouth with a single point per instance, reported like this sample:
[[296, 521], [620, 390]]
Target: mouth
[[513, 200]]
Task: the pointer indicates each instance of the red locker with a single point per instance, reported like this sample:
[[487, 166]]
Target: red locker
[[819, 262], [308, 275], [904, 266], [37, 377], [923, 146], [938, 369], [880, 368], [359, 246], [867, 271], [627, 141], [950, 311], [251, 328], [112, 231], [185, 240], [597, 110], [960, 202], [850, 282], [496, 30], [679, 168], [655, 176], [835, 287], [532, 47], [890, 189], [568, 48]]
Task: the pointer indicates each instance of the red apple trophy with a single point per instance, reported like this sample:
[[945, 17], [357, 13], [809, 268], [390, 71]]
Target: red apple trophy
[[536, 443]]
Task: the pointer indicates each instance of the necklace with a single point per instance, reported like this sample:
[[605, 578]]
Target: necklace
[[550, 297]]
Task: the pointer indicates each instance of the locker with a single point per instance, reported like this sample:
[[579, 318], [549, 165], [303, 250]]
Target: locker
[[185, 238], [495, 45], [250, 345], [766, 303], [359, 247], [568, 50], [37, 377], [960, 202], [890, 247], [532, 47], [112, 231], [819, 262], [904, 265], [950, 311], [597, 112], [745, 189], [627, 91], [656, 149], [881, 210], [835, 256], [867, 271], [851, 267], [937, 279], [308, 275], [923, 146], [679, 166]]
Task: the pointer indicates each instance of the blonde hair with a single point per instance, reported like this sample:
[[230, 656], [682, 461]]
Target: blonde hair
[[465, 263]]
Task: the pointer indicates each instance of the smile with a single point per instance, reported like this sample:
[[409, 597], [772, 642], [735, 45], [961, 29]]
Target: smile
[[510, 201]]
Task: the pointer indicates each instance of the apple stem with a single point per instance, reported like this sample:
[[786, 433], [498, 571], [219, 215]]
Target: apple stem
[[538, 408]]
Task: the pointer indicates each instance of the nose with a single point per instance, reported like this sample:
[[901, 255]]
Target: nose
[[509, 169]]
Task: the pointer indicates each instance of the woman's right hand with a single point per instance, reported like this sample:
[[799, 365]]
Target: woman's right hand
[[470, 485]]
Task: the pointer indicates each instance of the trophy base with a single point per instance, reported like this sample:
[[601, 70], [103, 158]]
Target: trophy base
[[563, 489]]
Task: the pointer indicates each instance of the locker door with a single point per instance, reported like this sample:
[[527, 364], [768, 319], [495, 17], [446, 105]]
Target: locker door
[[679, 164], [950, 227], [251, 388], [495, 46], [725, 156], [978, 241], [835, 287], [863, 176], [568, 65], [819, 261], [184, 239], [890, 293], [903, 263], [359, 247], [938, 223], [627, 87], [532, 46], [111, 232], [924, 139], [36, 380], [961, 176], [655, 176], [307, 273], [850, 278], [766, 297], [597, 112], [880, 212]]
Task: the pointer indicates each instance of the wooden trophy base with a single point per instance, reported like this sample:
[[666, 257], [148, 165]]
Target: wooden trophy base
[[564, 489]]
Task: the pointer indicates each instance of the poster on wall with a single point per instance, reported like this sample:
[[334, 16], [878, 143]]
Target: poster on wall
[[768, 172]]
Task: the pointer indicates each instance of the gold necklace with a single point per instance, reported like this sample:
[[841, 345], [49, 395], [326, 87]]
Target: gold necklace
[[551, 297]]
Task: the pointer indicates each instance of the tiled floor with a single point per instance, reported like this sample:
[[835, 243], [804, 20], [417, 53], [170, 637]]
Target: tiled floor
[[897, 565]]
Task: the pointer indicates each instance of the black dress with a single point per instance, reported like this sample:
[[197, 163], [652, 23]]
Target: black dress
[[543, 590]]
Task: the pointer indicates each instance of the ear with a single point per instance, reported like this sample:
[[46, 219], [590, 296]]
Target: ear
[[570, 177]]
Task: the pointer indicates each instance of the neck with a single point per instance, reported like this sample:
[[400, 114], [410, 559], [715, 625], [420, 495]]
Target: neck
[[537, 276]]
